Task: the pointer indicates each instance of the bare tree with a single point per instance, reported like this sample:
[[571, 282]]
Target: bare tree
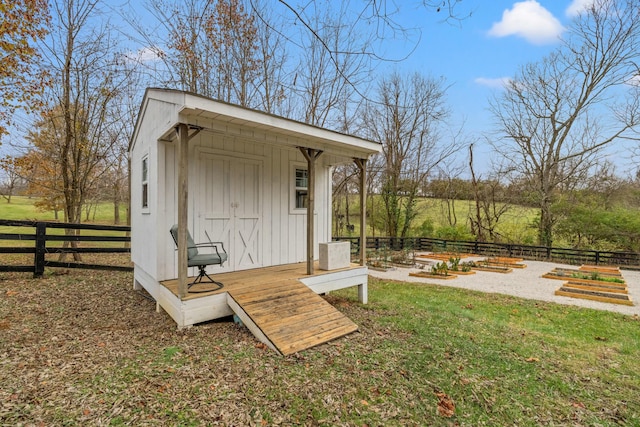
[[406, 118], [10, 180], [326, 80], [270, 90], [82, 57], [375, 21], [557, 115], [187, 54], [214, 48], [490, 202]]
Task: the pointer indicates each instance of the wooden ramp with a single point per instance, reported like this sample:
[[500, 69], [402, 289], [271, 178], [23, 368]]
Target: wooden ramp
[[288, 316]]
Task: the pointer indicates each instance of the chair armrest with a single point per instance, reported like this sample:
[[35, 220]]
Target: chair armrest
[[213, 245]]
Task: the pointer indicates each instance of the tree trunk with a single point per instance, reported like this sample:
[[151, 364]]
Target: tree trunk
[[346, 209], [545, 229], [116, 211]]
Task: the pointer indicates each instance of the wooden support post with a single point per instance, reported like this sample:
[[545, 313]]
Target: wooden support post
[[362, 165], [41, 248], [183, 199], [311, 155]]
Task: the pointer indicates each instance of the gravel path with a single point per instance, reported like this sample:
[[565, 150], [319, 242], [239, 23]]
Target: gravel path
[[522, 282]]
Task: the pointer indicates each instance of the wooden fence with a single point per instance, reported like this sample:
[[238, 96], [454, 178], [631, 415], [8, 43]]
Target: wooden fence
[[40, 246], [541, 253]]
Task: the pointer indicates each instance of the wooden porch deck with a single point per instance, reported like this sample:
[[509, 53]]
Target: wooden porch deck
[[278, 307], [239, 280]]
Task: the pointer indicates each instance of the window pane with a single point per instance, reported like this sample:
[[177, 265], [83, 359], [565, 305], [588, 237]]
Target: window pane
[[145, 195], [145, 169], [301, 178], [301, 199]]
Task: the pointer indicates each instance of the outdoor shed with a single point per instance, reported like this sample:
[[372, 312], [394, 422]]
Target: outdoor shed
[[259, 184]]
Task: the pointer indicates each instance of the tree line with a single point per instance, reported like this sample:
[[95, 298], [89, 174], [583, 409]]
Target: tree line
[[79, 69]]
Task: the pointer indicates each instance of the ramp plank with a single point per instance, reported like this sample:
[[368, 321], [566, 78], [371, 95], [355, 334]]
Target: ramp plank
[[288, 316]]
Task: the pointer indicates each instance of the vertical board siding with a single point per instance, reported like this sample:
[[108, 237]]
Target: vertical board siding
[[146, 227], [264, 168], [168, 215]]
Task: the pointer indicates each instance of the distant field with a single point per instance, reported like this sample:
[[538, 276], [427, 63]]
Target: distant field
[[22, 208], [515, 225]]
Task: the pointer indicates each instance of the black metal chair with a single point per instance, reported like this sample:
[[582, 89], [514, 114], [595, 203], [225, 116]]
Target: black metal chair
[[196, 259]]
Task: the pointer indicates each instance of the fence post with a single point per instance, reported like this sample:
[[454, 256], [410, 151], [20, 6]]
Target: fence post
[[597, 257], [38, 264]]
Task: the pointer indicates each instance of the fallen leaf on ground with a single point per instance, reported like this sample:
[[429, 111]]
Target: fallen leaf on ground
[[446, 408], [532, 359]]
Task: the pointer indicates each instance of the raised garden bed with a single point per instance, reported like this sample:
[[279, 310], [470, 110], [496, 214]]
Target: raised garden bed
[[443, 256], [605, 271], [569, 272], [604, 287], [378, 268], [506, 264], [608, 297], [583, 276], [462, 273], [429, 275], [492, 268], [504, 260]]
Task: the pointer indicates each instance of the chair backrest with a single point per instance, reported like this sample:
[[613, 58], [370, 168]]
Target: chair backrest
[[192, 250]]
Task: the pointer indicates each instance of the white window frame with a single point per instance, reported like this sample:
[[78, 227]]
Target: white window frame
[[294, 188], [144, 197]]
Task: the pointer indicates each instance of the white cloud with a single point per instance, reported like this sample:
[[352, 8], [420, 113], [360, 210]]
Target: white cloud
[[529, 20], [145, 54], [634, 81], [499, 83], [578, 6]]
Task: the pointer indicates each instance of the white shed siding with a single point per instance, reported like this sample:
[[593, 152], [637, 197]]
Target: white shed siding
[[145, 227], [282, 233]]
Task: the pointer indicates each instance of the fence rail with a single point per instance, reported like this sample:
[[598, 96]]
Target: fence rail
[[564, 255], [40, 248]]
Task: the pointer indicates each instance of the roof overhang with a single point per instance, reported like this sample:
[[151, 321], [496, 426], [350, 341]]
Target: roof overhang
[[211, 115]]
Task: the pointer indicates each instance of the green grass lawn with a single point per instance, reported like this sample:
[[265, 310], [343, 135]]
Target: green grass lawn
[[22, 208], [82, 348], [509, 361]]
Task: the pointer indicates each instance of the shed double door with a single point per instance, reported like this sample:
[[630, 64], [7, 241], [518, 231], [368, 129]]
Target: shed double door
[[230, 208]]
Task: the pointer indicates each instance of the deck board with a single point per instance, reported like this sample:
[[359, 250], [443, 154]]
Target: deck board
[[266, 278]]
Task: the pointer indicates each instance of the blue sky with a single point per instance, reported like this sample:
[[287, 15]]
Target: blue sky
[[475, 54], [478, 53]]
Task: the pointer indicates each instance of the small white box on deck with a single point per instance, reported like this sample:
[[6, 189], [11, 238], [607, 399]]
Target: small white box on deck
[[335, 255]]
